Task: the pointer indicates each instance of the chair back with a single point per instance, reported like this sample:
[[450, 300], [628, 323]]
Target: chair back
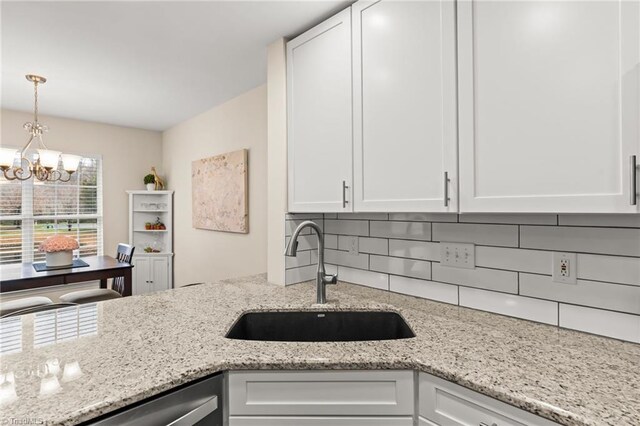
[[125, 255]]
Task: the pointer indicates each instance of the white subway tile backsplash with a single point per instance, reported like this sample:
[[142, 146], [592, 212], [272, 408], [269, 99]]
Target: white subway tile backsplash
[[511, 305], [616, 269], [415, 249], [291, 225], [365, 244], [331, 241], [304, 216], [586, 293], [303, 258], [363, 216], [625, 242], [399, 266], [425, 289], [403, 230], [598, 321], [489, 235], [536, 261], [518, 219], [489, 279], [609, 220], [513, 255], [373, 245], [424, 217], [366, 278], [298, 275], [347, 227], [343, 258]]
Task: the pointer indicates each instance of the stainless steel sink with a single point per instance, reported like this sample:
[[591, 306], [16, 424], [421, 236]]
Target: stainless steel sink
[[326, 326]]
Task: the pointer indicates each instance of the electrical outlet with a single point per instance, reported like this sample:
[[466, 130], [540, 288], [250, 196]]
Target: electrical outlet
[[353, 246], [565, 268], [458, 255]]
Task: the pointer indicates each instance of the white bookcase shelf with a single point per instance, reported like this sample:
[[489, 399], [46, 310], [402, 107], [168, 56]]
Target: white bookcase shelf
[[153, 270]]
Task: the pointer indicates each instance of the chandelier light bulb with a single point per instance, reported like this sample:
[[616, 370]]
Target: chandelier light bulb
[[7, 157], [70, 162], [49, 159]]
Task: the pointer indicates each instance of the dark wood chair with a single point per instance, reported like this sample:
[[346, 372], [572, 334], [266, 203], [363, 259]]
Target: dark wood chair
[[125, 255], [10, 306]]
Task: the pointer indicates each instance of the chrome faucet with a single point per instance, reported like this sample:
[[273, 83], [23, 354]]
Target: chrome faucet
[[322, 279]]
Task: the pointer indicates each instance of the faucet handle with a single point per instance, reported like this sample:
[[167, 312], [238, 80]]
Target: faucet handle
[[330, 279]]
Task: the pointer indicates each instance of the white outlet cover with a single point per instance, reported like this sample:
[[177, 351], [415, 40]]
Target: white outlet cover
[[572, 260], [458, 255]]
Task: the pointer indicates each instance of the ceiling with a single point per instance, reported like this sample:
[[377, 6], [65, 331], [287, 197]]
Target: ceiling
[[149, 65]]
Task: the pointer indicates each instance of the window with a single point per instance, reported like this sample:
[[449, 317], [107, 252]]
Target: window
[[31, 211]]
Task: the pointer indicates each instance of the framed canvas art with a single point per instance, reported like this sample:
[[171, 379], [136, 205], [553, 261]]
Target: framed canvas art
[[219, 192]]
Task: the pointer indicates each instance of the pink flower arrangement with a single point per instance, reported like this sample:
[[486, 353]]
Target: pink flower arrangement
[[58, 243]]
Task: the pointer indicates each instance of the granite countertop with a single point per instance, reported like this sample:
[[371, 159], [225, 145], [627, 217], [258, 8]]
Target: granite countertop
[[136, 347]]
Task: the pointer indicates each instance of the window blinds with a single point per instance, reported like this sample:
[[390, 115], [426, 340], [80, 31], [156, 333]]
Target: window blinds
[[31, 211]]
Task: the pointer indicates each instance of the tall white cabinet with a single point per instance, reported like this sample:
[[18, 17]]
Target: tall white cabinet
[[153, 257], [549, 105], [404, 98], [319, 117]]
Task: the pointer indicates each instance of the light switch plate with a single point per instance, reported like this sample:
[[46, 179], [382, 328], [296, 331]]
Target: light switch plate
[[458, 255], [565, 268]]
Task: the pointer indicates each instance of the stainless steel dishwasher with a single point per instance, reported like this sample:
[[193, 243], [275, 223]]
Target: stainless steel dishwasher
[[199, 403]]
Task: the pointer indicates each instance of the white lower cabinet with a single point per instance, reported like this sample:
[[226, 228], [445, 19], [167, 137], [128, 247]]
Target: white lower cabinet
[[359, 398], [319, 421], [446, 404], [151, 273], [321, 398]]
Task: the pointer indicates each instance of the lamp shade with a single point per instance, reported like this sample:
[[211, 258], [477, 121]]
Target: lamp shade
[[7, 156], [48, 158], [70, 162]]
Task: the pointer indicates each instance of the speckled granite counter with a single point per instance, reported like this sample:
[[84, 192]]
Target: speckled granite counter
[[139, 346]]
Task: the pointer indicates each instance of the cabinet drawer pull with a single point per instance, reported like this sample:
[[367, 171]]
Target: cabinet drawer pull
[[633, 187], [446, 189], [484, 424], [344, 194]]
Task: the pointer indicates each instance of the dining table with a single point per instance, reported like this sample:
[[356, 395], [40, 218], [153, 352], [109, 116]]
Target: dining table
[[23, 276]]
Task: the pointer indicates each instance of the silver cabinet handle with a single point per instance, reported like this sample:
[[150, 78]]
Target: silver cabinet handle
[[484, 424], [446, 189], [633, 187], [197, 414], [344, 194]]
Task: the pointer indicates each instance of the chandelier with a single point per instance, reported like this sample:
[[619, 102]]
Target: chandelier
[[44, 165]]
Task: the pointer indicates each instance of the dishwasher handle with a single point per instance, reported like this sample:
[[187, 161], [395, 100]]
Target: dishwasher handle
[[197, 414]]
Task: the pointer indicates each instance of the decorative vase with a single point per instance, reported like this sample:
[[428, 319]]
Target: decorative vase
[[151, 187], [59, 258]]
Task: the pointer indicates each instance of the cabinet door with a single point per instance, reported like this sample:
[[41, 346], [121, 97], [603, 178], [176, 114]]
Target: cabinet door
[[319, 421], [446, 404], [319, 117], [405, 129], [159, 274], [140, 275], [549, 105]]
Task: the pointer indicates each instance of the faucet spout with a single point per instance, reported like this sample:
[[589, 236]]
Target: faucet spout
[[322, 279]]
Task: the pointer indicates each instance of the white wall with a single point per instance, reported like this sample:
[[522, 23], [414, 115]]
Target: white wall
[[277, 158], [203, 255], [127, 155]]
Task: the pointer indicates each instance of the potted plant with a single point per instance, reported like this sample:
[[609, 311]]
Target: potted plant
[[59, 250], [150, 182]]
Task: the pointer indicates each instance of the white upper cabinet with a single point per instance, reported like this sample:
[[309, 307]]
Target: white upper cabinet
[[548, 105], [404, 97], [319, 117]]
